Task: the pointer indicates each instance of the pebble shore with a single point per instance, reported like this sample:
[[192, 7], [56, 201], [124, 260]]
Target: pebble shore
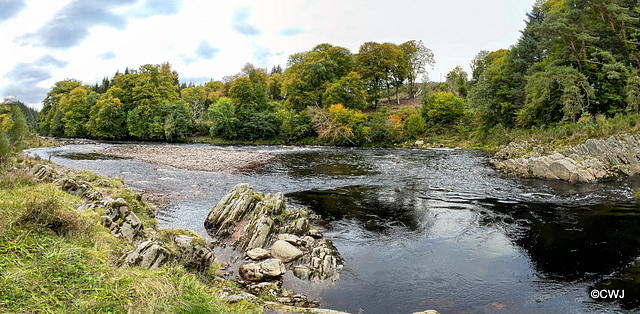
[[191, 158]]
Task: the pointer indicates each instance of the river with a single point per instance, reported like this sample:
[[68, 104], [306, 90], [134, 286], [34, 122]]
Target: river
[[423, 229]]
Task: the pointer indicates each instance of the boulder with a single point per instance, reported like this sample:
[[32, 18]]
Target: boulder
[[194, 254], [291, 238], [427, 312], [315, 233], [80, 189], [121, 220], [148, 254], [258, 254], [44, 173], [236, 296], [261, 271], [285, 252]]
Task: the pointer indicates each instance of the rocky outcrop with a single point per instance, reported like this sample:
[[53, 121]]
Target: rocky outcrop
[[121, 220], [80, 189], [193, 253], [252, 222], [148, 254], [44, 173], [593, 161]]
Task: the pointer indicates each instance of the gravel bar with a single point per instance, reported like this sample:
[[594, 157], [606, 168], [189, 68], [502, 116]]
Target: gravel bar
[[191, 158]]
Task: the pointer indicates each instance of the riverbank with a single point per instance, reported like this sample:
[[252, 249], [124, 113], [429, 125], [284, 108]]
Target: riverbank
[[190, 158], [71, 241]]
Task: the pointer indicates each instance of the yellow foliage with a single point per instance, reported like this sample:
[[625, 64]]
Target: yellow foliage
[[5, 122], [396, 121]]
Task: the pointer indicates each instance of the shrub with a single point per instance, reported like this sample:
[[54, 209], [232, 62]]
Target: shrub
[[442, 108], [415, 125]]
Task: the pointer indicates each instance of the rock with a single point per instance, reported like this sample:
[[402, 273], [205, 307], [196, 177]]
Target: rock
[[148, 254], [80, 189], [236, 296], [44, 173], [194, 254], [288, 297], [315, 233], [247, 215], [121, 220], [266, 269], [419, 143], [323, 262], [258, 254], [285, 252], [594, 160], [293, 239], [427, 312]]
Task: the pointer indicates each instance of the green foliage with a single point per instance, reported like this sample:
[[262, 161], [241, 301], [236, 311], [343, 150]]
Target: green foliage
[[415, 125], [107, 119], [5, 146], [349, 91], [293, 124], [442, 108], [224, 119], [380, 130]]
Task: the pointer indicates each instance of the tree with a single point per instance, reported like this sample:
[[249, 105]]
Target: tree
[[5, 147], [457, 82], [224, 119], [418, 58], [348, 91], [107, 119], [442, 108], [275, 86], [20, 129], [633, 92], [76, 111]]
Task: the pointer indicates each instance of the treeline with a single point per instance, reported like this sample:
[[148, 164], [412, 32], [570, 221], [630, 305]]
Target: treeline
[[13, 128], [575, 64], [575, 60], [319, 96]]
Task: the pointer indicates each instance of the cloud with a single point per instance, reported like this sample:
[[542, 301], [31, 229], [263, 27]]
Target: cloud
[[239, 22], [25, 78], [151, 8], [10, 9], [72, 23], [291, 31], [206, 51], [109, 55], [262, 55]]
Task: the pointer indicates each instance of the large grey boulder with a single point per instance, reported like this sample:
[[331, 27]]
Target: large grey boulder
[[121, 220], [262, 271], [258, 254], [148, 254], [285, 252]]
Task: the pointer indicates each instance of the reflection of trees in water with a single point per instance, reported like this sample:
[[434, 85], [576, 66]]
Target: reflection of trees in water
[[377, 209], [572, 244]]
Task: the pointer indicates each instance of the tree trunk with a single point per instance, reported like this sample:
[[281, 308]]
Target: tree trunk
[[397, 99], [388, 93]]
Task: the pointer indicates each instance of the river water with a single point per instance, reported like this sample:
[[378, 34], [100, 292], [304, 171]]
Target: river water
[[424, 229]]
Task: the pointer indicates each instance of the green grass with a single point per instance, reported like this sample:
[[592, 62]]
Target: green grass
[[54, 259]]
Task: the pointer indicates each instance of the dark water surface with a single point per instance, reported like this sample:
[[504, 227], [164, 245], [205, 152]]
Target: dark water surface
[[425, 229]]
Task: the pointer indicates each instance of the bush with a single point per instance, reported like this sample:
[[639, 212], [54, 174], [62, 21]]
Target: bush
[[442, 108], [415, 125], [5, 147], [380, 130]]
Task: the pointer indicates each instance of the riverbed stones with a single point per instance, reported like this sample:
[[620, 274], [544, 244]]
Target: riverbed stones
[[148, 254], [262, 271], [258, 254], [285, 251], [190, 158]]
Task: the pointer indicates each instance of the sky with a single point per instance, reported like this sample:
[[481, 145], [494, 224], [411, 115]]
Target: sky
[[46, 41]]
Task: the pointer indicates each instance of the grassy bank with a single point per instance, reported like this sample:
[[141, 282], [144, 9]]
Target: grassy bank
[[54, 259]]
